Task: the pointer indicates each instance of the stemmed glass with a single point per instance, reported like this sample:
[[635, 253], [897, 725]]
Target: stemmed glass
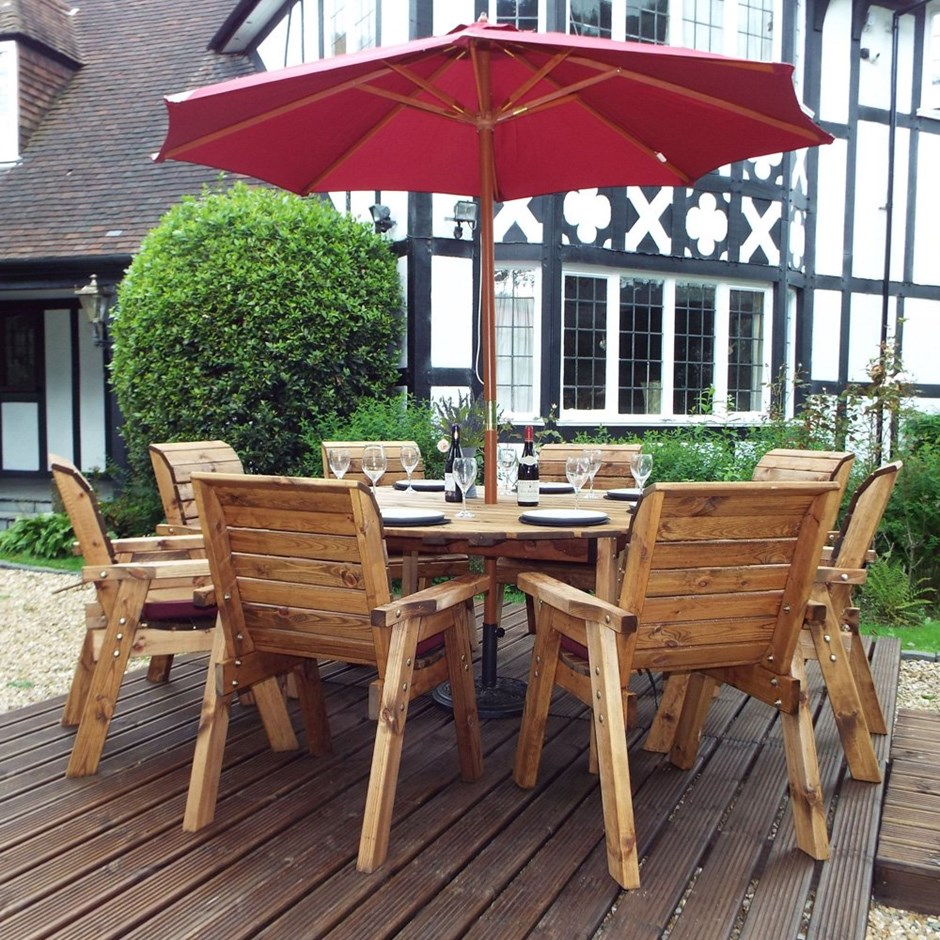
[[641, 466], [508, 463], [339, 461], [409, 460], [465, 473], [593, 458], [577, 470], [373, 462]]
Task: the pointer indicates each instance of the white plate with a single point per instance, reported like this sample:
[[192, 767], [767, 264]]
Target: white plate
[[405, 515], [556, 488], [424, 486], [564, 517], [628, 494]]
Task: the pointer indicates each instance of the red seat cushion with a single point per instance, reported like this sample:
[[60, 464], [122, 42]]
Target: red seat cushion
[[431, 645], [573, 647]]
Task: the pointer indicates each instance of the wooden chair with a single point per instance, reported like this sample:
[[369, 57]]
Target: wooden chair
[[143, 607], [300, 570], [844, 665], [615, 463], [717, 584], [428, 567], [173, 466]]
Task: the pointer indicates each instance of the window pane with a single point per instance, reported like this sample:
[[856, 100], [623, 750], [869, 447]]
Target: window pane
[[515, 340], [745, 350], [693, 369], [641, 347], [756, 29], [19, 353], [590, 18], [648, 21], [523, 14], [585, 342], [701, 24]]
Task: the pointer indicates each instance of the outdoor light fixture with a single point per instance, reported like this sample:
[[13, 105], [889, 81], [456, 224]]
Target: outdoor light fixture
[[381, 218], [96, 301], [465, 212]]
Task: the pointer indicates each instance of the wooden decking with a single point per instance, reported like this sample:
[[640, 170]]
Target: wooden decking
[[105, 856]]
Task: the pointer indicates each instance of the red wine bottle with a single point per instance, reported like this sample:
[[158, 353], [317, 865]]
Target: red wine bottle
[[527, 482], [451, 490]]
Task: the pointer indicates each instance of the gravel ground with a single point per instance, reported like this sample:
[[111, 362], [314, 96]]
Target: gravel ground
[[41, 618]]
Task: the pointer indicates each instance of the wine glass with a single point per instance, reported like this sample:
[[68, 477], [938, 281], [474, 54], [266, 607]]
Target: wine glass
[[409, 460], [507, 462], [339, 461], [593, 457], [373, 462], [577, 470], [465, 473], [641, 466]]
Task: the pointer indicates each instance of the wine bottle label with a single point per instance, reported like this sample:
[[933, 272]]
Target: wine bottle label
[[527, 492], [450, 485]]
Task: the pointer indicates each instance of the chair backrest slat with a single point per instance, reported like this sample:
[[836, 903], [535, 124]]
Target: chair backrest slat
[[81, 504], [863, 516], [393, 473], [298, 563], [175, 463], [615, 463], [720, 573]]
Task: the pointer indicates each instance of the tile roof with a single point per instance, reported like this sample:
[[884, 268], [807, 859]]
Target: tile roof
[[47, 22], [86, 184]]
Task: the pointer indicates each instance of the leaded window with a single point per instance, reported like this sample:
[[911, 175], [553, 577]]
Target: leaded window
[[641, 346], [756, 29], [648, 21], [20, 358], [523, 14], [590, 18], [693, 365], [515, 341], [584, 369], [745, 350], [703, 24]]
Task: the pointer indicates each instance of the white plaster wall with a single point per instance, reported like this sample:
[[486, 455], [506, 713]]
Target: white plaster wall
[[451, 312], [451, 13], [827, 332], [395, 22], [92, 401], [59, 438], [920, 340], [830, 217], [874, 75], [20, 420], [837, 29], [865, 333], [927, 212]]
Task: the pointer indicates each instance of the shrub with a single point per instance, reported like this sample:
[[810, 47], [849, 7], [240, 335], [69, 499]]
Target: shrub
[[48, 535], [891, 596], [247, 314]]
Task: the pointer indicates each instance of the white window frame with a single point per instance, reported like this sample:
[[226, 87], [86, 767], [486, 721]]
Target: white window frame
[[9, 103], [533, 413], [720, 415]]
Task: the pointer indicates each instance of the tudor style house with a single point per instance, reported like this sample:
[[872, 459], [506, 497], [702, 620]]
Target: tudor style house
[[630, 307]]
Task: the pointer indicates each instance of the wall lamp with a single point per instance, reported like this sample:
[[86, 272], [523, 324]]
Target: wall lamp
[[466, 212], [381, 218], [96, 302]]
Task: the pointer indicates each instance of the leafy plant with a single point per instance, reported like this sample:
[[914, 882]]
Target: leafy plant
[[48, 535], [247, 314], [890, 595]]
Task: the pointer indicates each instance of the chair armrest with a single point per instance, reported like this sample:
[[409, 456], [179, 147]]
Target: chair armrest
[[166, 528], [826, 575], [431, 600], [576, 603], [151, 571], [159, 543]]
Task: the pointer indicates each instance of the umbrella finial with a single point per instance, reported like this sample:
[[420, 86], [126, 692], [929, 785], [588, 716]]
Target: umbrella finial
[[483, 18]]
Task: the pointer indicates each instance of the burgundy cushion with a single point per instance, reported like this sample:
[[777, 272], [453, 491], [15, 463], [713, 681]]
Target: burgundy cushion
[[573, 647], [430, 645], [178, 610]]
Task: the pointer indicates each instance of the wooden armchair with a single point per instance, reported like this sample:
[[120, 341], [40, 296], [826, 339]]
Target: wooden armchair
[[173, 466], [300, 569], [615, 463], [717, 584], [428, 566], [143, 607]]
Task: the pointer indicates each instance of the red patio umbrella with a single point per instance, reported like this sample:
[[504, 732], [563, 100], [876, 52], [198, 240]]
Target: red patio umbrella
[[492, 112]]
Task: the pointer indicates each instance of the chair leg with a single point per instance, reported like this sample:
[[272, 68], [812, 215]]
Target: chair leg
[[537, 700], [835, 666], [389, 738], [861, 672], [806, 796], [81, 682], [107, 677], [313, 708], [698, 697], [272, 707], [663, 728], [463, 693], [210, 746], [613, 763], [159, 668]]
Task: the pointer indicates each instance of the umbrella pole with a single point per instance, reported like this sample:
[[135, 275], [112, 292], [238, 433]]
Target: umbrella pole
[[488, 303]]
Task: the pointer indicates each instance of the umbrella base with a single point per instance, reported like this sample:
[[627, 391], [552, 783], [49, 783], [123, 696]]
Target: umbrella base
[[504, 699]]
